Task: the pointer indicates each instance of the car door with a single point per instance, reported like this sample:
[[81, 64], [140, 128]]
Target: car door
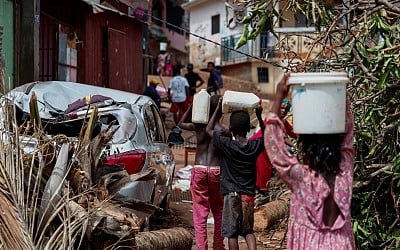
[[161, 157]]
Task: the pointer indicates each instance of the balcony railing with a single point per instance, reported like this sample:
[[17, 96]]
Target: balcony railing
[[229, 55], [265, 48], [299, 41], [267, 44]]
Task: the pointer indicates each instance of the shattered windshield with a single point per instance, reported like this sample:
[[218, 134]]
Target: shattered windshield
[[124, 119]]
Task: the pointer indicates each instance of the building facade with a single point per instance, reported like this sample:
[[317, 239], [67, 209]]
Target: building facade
[[93, 42], [167, 35], [215, 31]]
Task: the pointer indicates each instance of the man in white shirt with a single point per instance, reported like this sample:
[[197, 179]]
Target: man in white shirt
[[178, 92]]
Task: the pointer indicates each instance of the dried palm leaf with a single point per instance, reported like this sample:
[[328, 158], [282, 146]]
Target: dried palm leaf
[[13, 234], [34, 112], [21, 191]]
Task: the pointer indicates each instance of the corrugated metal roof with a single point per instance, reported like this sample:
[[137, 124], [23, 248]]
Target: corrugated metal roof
[[99, 8]]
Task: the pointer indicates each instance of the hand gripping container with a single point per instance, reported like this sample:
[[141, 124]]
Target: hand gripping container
[[234, 100], [201, 107], [319, 102]]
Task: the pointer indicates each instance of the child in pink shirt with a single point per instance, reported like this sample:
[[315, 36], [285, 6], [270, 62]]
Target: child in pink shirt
[[320, 216]]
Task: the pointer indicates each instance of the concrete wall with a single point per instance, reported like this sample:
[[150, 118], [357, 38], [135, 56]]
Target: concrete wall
[[242, 71], [202, 51]]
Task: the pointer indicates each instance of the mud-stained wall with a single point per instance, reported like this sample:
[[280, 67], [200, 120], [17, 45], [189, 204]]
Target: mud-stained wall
[[202, 51]]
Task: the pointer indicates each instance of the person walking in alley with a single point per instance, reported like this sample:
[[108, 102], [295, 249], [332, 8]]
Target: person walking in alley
[[238, 175], [178, 93], [205, 180], [321, 185], [212, 84], [151, 92], [193, 79]]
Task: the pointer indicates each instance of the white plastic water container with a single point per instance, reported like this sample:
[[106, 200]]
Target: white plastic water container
[[235, 100], [319, 102], [163, 46], [201, 107]]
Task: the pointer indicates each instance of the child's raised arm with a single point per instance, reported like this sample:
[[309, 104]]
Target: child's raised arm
[[260, 120], [186, 125], [214, 118], [347, 147], [282, 90]]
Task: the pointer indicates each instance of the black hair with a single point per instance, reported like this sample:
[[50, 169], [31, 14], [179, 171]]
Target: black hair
[[322, 151], [189, 66], [288, 106], [211, 63], [240, 122], [176, 70]]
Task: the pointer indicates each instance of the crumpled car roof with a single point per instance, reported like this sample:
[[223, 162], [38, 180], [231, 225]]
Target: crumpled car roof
[[54, 96]]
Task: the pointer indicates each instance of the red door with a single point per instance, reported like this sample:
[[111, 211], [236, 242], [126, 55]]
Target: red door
[[117, 75]]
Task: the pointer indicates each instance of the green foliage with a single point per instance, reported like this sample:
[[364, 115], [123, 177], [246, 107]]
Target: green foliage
[[362, 37]]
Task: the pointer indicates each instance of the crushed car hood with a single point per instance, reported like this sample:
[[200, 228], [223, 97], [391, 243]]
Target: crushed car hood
[[54, 96]]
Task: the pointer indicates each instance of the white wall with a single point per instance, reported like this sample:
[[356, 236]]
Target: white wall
[[200, 50]]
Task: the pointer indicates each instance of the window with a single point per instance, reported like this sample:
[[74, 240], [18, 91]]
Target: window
[[160, 124], [214, 24], [150, 124], [175, 15], [301, 21], [154, 124], [267, 41], [67, 55], [262, 74], [229, 55]]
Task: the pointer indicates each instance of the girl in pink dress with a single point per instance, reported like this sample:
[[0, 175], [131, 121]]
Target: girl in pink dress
[[320, 216]]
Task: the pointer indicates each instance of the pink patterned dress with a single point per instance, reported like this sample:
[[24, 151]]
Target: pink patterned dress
[[306, 228]]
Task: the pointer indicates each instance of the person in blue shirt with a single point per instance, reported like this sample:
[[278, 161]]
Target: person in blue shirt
[[212, 83]]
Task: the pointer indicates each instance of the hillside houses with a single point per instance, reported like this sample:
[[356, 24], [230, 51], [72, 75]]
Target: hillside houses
[[213, 20], [116, 43]]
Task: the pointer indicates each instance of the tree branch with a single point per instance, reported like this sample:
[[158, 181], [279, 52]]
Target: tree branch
[[363, 68], [390, 6], [360, 184]]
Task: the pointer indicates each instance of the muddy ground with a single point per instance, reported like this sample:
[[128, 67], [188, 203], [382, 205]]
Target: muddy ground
[[180, 211]]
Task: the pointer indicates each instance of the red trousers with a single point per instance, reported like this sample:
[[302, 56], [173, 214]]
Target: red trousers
[[178, 108], [204, 185]]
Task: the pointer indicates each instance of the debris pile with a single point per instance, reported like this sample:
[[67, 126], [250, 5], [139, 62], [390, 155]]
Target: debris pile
[[58, 195]]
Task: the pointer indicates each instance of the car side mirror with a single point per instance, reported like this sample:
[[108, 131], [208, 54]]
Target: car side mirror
[[175, 137]]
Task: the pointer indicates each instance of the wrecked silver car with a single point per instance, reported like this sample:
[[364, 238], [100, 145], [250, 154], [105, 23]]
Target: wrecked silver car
[[139, 143]]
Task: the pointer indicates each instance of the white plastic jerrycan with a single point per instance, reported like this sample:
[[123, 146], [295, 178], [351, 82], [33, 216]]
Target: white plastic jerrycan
[[201, 107], [235, 100], [319, 102]]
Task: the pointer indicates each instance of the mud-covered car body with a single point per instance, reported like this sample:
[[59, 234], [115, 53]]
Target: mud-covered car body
[[139, 143]]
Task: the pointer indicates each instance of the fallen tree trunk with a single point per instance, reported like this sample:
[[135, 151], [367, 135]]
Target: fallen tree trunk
[[269, 214], [173, 238]]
